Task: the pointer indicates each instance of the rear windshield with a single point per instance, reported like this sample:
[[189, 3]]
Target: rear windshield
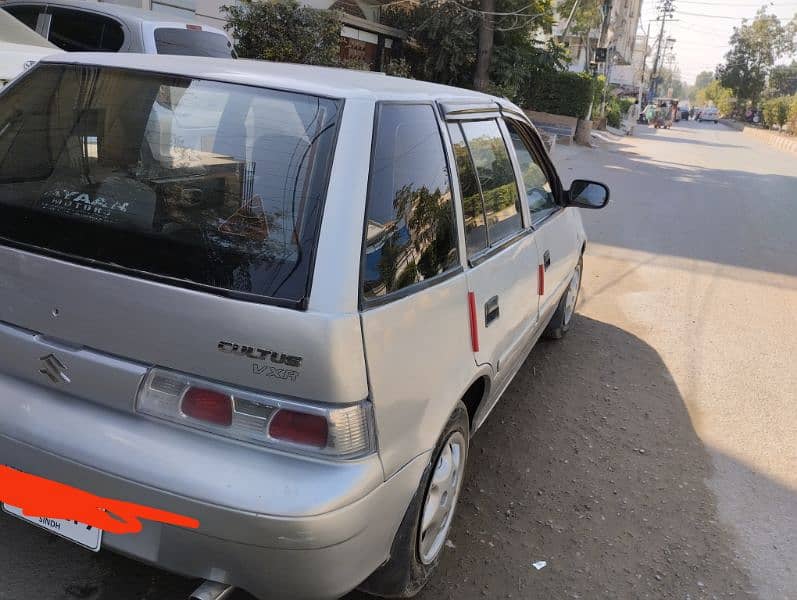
[[192, 42], [199, 182]]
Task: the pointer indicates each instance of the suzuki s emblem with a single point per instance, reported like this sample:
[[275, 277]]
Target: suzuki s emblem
[[54, 369]]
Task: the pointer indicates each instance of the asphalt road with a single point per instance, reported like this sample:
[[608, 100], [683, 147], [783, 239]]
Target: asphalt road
[[652, 453]]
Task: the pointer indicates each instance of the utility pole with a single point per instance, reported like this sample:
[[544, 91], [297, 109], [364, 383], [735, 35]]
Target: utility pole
[[644, 64], [666, 9]]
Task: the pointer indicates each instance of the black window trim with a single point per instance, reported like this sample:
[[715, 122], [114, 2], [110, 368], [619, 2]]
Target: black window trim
[[492, 248], [534, 145], [301, 304], [367, 303]]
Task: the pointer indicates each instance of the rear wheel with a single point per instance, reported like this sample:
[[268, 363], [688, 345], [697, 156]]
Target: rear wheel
[[424, 530], [562, 318]]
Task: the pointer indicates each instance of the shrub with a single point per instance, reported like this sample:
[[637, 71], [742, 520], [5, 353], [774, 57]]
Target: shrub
[[560, 93], [613, 115], [776, 111], [284, 31], [793, 115]]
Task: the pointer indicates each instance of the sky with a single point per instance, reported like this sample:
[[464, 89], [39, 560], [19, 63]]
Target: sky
[[702, 41]]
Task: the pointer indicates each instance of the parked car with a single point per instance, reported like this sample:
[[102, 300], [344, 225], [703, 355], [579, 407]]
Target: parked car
[[287, 326], [82, 26], [20, 48], [709, 113]]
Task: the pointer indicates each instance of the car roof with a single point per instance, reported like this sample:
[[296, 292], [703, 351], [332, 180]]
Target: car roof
[[321, 81], [115, 10]]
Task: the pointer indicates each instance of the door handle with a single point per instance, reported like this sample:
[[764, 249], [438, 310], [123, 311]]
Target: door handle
[[491, 311], [546, 259]]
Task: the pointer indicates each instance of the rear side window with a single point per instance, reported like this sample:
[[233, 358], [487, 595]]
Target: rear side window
[[27, 14], [203, 183], [77, 31], [192, 42], [410, 226]]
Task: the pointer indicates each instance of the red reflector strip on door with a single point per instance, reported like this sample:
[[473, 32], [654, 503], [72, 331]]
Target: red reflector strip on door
[[474, 324], [541, 280]]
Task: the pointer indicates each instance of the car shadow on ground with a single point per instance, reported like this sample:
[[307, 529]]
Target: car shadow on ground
[[589, 462]]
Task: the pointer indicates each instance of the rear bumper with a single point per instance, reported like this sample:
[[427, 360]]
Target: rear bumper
[[275, 525]]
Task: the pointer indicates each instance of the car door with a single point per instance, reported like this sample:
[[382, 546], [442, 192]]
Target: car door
[[500, 244], [558, 238]]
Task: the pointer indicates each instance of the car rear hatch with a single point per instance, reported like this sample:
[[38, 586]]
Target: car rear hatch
[[151, 220]]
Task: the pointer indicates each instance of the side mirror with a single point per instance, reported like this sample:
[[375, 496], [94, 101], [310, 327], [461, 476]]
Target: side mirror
[[588, 194]]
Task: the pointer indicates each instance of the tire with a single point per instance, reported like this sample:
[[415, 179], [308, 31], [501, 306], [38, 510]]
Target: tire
[[413, 559], [563, 317]]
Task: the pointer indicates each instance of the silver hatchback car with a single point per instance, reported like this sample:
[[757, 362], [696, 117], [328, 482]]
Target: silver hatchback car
[[266, 306]]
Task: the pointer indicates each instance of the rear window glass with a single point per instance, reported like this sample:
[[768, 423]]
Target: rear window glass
[[192, 42], [200, 182]]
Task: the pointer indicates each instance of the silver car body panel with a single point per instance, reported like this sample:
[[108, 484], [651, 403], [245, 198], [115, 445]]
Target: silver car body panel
[[263, 512]]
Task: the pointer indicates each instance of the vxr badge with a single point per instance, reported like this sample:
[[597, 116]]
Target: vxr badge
[[54, 369]]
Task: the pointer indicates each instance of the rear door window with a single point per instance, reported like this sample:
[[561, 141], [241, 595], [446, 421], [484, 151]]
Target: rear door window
[[78, 31], [201, 183], [484, 168], [192, 42], [410, 225]]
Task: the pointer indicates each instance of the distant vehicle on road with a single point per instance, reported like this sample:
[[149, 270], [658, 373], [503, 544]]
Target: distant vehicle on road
[[81, 26], [709, 113], [278, 302], [20, 48]]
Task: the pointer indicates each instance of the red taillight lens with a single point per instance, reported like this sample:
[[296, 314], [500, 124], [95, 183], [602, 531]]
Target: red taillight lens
[[299, 428], [207, 405]]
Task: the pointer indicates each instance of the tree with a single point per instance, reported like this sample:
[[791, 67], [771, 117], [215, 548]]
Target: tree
[[703, 79], [776, 111], [284, 31], [717, 95], [755, 47], [446, 40], [587, 16], [481, 78], [783, 80]]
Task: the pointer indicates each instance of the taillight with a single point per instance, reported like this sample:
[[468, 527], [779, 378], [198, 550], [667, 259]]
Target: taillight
[[310, 428], [298, 428], [207, 405]]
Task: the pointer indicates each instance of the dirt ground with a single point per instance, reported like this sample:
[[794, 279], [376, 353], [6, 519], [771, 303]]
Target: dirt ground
[[589, 463]]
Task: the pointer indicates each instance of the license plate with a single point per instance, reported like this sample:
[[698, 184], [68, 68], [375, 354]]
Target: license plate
[[84, 535]]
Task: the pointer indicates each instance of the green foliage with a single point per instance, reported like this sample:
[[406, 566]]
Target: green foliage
[[519, 60], [717, 95], [586, 17], [284, 31], [442, 40], [755, 47], [398, 67], [776, 110], [703, 79], [599, 84], [561, 93], [793, 111], [442, 43], [783, 80]]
